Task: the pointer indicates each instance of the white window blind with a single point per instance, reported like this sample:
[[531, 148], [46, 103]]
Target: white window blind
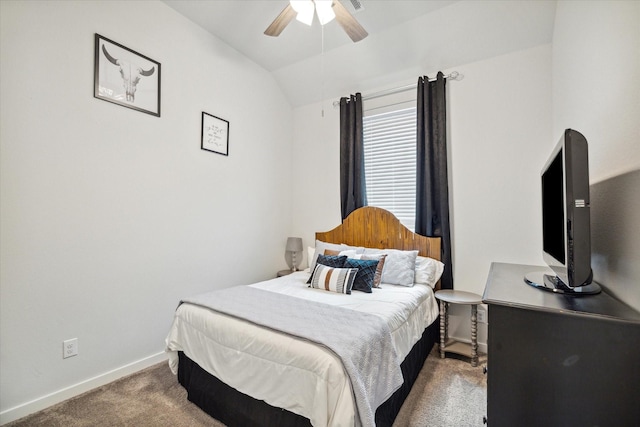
[[390, 162]]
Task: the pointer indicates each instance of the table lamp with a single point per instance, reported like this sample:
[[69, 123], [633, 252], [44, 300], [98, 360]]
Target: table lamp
[[294, 245]]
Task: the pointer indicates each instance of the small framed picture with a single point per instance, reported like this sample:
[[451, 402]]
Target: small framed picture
[[215, 134], [125, 77]]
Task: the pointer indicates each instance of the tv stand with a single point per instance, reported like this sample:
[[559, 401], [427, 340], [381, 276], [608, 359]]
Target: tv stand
[[548, 281], [558, 360]]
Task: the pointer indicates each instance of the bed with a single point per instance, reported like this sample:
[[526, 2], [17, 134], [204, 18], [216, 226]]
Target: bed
[[244, 373]]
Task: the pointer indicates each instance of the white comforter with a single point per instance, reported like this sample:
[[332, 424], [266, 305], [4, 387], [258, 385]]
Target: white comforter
[[287, 372]]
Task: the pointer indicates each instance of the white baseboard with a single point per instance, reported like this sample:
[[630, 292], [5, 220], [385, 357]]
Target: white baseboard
[[43, 402]]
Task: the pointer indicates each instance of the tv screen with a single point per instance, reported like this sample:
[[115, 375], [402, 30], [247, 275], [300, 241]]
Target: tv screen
[[566, 231], [553, 219]]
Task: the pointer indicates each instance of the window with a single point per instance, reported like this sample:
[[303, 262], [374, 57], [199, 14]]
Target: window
[[390, 162]]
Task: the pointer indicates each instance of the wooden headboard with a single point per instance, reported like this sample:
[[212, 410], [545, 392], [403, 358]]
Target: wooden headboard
[[372, 227]]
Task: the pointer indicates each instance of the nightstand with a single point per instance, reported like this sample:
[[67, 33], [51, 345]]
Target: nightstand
[[449, 296], [283, 273]]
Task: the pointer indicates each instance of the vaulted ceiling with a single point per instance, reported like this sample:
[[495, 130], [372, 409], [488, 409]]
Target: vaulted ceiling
[[406, 39]]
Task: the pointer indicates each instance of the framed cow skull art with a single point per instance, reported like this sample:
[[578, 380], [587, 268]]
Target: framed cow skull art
[[125, 77]]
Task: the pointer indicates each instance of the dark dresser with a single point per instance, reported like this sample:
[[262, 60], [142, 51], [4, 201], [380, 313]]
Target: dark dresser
[[557, 360]]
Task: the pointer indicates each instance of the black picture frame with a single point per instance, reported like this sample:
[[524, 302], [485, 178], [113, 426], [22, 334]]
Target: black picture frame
[[125, 77], [215, 134]]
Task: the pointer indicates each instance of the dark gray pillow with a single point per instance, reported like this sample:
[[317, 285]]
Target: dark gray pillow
[[335, 261], [366, 273]]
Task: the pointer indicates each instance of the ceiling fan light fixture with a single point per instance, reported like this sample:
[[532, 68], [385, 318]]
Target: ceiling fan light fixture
[[327, 10], [304, 9], [324, 10]]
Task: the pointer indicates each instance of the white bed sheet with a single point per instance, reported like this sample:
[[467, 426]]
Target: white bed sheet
[[309, 379]]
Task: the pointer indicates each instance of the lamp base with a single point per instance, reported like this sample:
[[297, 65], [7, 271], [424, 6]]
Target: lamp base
[[292, 261]]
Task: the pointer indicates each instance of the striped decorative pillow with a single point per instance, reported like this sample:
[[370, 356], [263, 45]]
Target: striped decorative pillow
[[338, 280], [329, 261]]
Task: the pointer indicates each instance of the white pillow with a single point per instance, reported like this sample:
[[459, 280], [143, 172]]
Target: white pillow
[[310, 253], [321, 246], [399, 266], [428, 271], [319, 250], [351, 253]]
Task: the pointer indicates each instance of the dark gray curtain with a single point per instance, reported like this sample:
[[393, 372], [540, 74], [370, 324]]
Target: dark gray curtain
[[432, 198], [353, 191]]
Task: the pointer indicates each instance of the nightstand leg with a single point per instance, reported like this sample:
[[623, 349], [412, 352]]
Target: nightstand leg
[[474, 335], [443, 326]]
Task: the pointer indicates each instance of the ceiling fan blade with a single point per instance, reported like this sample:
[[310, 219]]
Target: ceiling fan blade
[[281, 21], [348, 23]]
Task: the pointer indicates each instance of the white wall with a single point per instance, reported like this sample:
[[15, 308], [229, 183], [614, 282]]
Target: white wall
[[108, 215], [596, 81], [500, 125], [596, 90], [316, 170]]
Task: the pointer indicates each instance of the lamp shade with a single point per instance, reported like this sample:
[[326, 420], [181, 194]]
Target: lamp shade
[[294, 244]]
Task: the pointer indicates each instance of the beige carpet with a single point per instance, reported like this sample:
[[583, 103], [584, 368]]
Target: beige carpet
[[448, 392]]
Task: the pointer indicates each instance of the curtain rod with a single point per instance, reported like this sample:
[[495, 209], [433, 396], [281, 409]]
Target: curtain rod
[[454, 75]]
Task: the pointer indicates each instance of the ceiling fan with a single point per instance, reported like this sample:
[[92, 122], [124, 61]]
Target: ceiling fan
[[303, 11]]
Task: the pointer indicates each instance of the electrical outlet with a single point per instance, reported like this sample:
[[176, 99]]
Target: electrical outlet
[[70, 348], [482, 315]]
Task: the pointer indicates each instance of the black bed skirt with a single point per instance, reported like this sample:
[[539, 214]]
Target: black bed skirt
[[236, 409]]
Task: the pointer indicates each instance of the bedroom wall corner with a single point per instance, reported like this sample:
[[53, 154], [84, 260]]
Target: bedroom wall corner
[[108, 215]]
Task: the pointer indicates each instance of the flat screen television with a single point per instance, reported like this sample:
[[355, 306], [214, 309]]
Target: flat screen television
[[566, 229]]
